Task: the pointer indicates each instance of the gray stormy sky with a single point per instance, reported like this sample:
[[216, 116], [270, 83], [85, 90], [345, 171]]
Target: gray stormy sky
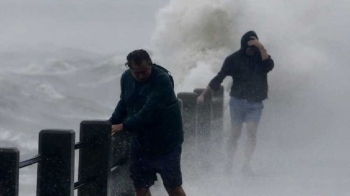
[[97, 26]]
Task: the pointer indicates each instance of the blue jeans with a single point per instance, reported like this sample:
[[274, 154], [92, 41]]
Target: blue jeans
[[244, 111]]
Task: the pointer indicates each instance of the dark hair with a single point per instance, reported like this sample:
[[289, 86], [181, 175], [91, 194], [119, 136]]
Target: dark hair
[[137, 56]]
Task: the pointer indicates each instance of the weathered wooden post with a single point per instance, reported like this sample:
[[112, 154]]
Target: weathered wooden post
[[9, 171], [119, 181], [218, 120], [204, 128], [189, 110], [180, 104], [56, 167], [94, 158], [217, 108]]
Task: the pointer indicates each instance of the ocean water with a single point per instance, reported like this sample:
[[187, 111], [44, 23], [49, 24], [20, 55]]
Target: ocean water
[[302, 144]]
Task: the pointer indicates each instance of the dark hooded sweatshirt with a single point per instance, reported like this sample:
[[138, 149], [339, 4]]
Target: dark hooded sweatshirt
[[151, 112], [249, 73]]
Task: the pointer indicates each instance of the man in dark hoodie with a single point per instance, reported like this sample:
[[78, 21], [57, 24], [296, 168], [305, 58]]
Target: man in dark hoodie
[[248, 68], [149, 110]]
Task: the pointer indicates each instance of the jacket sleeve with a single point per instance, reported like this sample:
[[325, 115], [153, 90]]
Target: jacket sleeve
[[156, 100], [267, 65], [217, 80], [119, 113]]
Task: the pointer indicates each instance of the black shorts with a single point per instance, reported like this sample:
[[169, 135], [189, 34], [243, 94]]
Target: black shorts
[[143, 169]]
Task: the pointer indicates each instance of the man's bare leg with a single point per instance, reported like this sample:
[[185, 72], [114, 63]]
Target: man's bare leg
[[232, 144], [177, 191], [250, 144], [142, 192]]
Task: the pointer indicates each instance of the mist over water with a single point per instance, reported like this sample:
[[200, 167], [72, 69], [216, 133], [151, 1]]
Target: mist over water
[[302, 144], [192, 38], [302, 137]]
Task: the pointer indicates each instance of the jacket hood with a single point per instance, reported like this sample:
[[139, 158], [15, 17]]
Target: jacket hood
[[246, 38]]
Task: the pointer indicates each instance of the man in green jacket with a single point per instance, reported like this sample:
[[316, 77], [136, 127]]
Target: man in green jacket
[[149, 110]]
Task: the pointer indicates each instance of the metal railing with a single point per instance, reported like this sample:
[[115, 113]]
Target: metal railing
[[55, 174], [103, 159]]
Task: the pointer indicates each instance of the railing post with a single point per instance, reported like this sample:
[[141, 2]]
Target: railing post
[[217, 119], [9, 171], [94, 157], [218, 107], [56, 168], [119, 180], [181, 104], [189, 111], [204, 114]]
